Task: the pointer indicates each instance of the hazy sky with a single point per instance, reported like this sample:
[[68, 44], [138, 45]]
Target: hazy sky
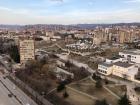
[[68, 11]]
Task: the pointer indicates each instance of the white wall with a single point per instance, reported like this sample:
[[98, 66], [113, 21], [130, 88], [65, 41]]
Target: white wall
[[104, 70], [134, 58]]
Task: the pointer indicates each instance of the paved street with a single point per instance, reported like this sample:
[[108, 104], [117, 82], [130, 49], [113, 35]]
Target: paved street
[[4, 99], [76, 63], [21, 98]]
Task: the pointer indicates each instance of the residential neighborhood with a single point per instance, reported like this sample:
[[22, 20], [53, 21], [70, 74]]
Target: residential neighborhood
[[69, 52]]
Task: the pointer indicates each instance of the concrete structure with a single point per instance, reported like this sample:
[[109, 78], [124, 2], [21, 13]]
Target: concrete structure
[[105, 68], [113, 59], [131, 55], [63, 74], [27, 49], [120, 69], [122, 37]]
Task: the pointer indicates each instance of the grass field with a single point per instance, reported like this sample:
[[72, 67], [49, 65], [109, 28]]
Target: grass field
[[118, 89], [88, 86], [79, 99]]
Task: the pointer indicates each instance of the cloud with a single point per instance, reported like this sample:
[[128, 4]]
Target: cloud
[[57, 0], [132, 1], [27, 16]]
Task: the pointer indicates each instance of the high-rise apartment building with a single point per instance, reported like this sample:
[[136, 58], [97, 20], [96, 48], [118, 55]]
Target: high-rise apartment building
[[27, 49]]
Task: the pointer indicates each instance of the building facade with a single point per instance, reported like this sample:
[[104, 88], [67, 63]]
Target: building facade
[[131, 55], [27, 50]]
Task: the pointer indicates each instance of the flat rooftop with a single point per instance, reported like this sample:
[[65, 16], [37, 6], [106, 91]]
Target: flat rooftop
[[106, 64], [114, 57], [123, 64], [132, 51]]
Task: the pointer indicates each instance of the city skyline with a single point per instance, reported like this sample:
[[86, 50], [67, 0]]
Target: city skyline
[[69, 11]]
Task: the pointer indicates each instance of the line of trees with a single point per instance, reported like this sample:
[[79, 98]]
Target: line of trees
[[14, 53], [124, 100]]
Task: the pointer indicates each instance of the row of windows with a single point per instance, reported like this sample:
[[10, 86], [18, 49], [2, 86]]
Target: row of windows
[[103, 71], [129, 56]]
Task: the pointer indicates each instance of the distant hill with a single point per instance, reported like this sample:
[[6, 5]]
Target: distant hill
[[90, 26], [57, 26], [11, 27]]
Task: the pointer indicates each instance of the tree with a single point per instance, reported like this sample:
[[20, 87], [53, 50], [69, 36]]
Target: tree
[[99, 84], [102, 102], [60, 87], [68, 64], [106, 81], [124, 100], [33, 64], [45, 70], [65, 94], [97, 102], [14, 53], [96, 77]]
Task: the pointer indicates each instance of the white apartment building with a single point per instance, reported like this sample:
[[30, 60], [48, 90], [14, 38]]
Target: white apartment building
[[105, 68], [121, 69], [131, 55], [27, 50]]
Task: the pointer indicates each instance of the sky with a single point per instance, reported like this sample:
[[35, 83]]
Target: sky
[[69, 11]]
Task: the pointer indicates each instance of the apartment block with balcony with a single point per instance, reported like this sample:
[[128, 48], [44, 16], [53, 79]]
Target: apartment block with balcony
[[27, 50]]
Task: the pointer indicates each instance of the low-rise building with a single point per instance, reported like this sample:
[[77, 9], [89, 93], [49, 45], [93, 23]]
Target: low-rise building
[[120, 69], [131, 55], [105, 68]]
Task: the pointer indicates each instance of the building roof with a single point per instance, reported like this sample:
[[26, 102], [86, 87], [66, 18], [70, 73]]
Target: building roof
[[114, 57], [132, 51], [123, 64], [106, 64]]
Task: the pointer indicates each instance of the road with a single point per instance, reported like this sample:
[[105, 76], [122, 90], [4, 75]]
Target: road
[[24, 99], [76, 63], [20, 95], [4, 99]]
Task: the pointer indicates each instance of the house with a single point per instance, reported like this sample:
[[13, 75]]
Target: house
[[105, 68]]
